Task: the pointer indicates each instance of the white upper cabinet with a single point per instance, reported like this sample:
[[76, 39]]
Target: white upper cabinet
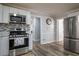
[[5, 14], [0, 13], [22, 12], [17, 11], [28, 18], [14, 10]]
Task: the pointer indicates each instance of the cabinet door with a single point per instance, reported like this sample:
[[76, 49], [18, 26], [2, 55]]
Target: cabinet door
[[28, 18], [0, 13], [14, 10], [5, 14], [4, 46], [22, 12], [30, 42], [0, 43]]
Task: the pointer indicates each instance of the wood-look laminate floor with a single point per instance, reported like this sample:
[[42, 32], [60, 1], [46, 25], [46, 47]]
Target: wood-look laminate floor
[[50, 49]]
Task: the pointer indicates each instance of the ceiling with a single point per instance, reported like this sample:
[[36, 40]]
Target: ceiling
[[51, 9]]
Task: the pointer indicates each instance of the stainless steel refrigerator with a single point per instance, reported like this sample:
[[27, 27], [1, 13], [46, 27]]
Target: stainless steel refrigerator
[[71, 34]]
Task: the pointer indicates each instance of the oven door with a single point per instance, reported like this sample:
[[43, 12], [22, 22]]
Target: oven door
[[18, 43], [21, 42]]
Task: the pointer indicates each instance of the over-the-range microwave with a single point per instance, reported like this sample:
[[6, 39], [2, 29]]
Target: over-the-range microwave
[[15, 18]]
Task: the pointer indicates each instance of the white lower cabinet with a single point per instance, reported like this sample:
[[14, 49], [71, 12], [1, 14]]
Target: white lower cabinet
[[4, 46]]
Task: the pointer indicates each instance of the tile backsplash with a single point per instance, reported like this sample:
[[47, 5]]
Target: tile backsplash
[[13, 26]]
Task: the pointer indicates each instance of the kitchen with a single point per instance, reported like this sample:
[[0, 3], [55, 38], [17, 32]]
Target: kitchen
[[24, 30]]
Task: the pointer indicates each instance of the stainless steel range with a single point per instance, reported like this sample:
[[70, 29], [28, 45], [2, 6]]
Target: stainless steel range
[[18, 38], [17, 41]]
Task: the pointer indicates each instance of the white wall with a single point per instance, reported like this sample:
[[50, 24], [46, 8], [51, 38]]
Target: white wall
[[47, 31], [47, 34]]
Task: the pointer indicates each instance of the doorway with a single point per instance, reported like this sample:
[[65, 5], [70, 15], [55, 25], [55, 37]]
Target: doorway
[[37, 29], [60, 31]]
